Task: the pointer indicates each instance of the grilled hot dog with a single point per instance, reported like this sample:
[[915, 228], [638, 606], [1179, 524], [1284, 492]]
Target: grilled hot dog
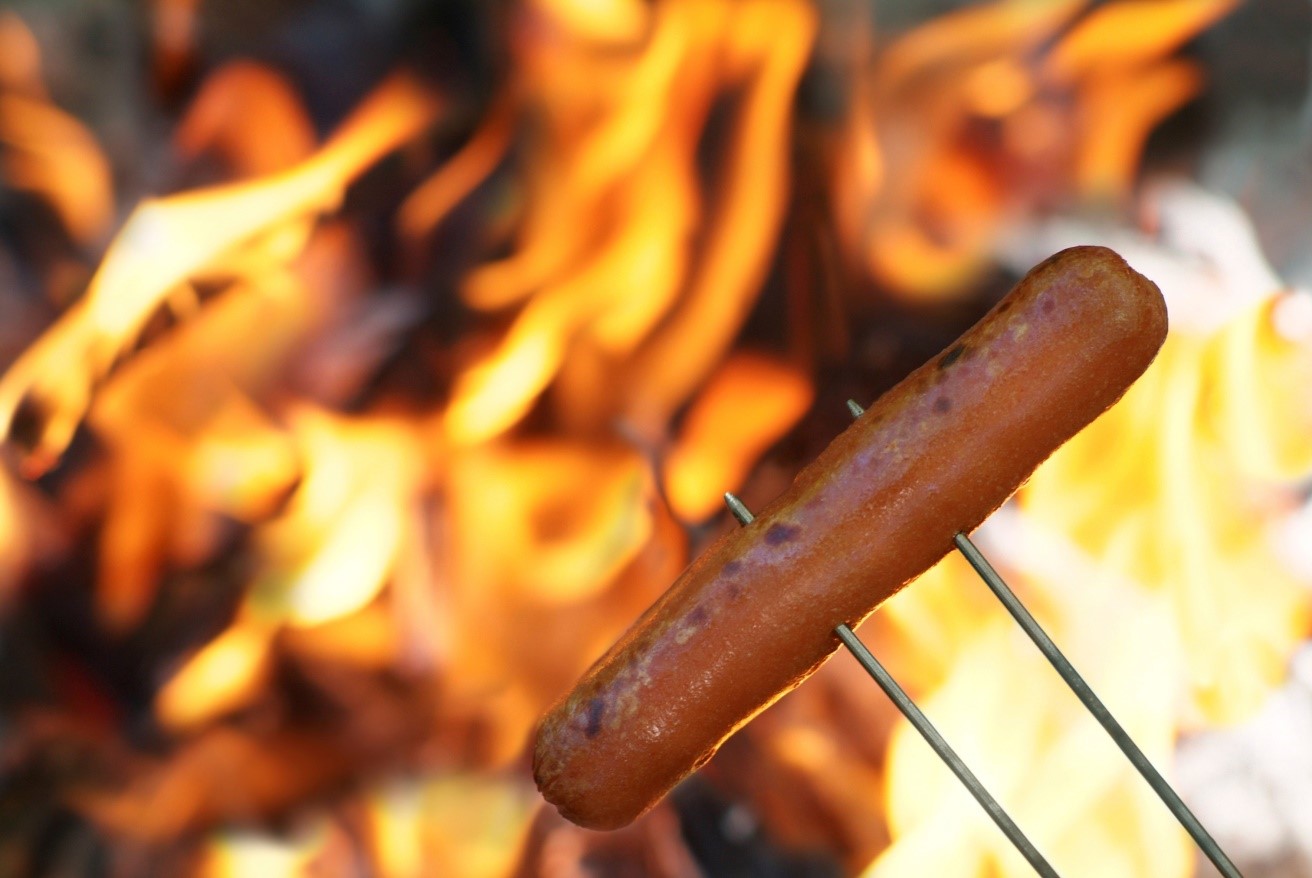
[[754, 614]]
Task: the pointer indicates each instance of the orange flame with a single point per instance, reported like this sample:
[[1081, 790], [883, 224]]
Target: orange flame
[[487, 565], [249, 115], [20, 57], [46, 151], [332, 549], [450, 183], [978, 120], [614, 205], [170, 241], [748, 404], [326, 557]]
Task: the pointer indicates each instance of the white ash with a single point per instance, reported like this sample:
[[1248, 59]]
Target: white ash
[[1251, 785], [1198, 246]]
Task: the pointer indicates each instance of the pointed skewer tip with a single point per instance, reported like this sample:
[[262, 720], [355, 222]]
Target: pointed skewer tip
[[739, 510]]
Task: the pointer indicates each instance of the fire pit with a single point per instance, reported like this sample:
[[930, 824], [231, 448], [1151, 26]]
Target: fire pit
[[368, 367]]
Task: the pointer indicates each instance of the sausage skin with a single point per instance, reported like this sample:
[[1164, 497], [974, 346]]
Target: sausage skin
[[754, 614]]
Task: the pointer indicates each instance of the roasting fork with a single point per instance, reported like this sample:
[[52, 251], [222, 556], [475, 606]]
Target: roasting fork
[[1064, 668]]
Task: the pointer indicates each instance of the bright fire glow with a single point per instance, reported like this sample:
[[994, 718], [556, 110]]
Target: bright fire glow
[[172, 240], [477, 544], [1164, 581], [747, 404], [225, 675], [615, 203], [236, 854], [1195, 462], [331, 551], [1065, 121], [463, 826]]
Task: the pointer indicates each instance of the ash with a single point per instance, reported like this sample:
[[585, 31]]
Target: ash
[[1251, 785]]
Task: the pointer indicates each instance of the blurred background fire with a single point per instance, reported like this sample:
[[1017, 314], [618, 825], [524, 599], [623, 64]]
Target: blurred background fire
[[369, 365]]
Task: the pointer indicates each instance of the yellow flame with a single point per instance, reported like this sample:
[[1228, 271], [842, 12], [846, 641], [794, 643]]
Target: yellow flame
[[332, 550], [1262, 366], [1175, 506], [567, 517], [170, 240], [1011, 719], [240, 853], [458, 825], [225, 675], [1145, 546], [603, 21], [604, 265]]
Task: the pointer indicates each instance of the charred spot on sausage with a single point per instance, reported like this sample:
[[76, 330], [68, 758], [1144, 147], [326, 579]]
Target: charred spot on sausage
[[596, 707], [952, 356], [942, 405], [781, 533]]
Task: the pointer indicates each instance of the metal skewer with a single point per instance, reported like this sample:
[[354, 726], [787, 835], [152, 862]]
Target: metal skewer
[[922, 724], [1095, 706], [1085, 693]]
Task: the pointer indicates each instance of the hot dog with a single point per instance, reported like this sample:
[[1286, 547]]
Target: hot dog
[[754, 614]]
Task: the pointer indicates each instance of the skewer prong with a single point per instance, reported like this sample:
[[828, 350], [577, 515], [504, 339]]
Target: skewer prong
[[922, 724], [1095, 706], [739, 509], [1091, 702]]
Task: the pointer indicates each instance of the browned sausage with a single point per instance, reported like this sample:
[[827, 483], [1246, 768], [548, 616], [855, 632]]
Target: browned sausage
[[754, 614]]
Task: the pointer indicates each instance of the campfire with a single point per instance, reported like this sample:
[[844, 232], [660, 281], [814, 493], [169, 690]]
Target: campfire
[[368, 368]]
